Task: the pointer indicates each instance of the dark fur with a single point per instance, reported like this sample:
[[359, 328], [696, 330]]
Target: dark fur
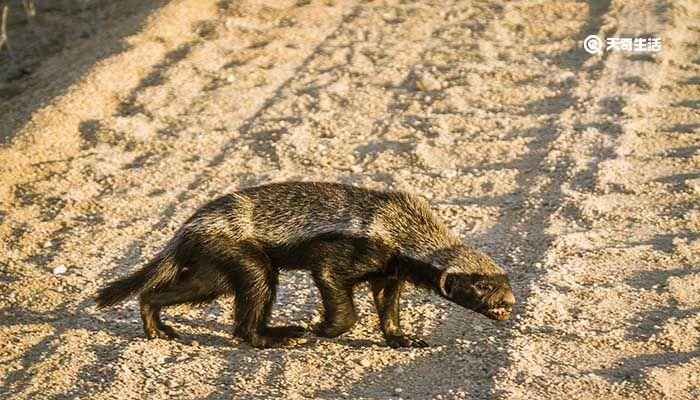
[[218, 252]]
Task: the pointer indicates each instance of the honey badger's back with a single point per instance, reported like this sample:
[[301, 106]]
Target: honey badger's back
[[292, 212], [287, 213]]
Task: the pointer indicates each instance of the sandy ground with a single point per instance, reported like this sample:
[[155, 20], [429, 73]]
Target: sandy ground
[[580, 174]]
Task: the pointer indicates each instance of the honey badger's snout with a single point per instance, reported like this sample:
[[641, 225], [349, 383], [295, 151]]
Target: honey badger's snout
[[500, 304], [509, 299]]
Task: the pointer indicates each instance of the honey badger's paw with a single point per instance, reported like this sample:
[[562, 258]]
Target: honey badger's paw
[[290, 331], [266, 341], [396, 341], [335, 328], [162, 332]]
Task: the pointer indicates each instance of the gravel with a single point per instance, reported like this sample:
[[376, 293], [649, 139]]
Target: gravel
[[577, 173]]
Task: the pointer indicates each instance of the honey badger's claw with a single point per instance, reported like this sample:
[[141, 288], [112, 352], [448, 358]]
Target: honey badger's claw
[[164, 332], [267, 341], [405, 341]]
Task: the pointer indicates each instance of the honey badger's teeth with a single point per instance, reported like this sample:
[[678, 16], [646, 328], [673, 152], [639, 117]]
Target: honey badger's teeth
[[499, 310]]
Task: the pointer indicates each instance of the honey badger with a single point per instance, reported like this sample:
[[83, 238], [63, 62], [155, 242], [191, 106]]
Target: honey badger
[[343, 234]]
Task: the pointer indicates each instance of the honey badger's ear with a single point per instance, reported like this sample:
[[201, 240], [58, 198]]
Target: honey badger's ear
[[447, 284]]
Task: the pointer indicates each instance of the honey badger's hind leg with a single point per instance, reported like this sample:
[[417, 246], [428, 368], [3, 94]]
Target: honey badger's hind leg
[[192, 287], [254, 281], [152, 325]]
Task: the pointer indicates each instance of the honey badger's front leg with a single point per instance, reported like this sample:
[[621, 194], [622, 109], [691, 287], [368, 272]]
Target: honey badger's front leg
[[387, 294]]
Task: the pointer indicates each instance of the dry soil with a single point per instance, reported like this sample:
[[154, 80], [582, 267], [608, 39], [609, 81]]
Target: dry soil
[[579, 173]]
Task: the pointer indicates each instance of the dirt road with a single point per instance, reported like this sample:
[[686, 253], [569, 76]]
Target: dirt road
[[580, 174]]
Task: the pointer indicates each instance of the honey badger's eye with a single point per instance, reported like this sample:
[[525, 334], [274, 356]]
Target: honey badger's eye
[[485, 286]]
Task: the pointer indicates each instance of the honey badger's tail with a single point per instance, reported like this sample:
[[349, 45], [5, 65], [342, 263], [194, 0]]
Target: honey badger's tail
[[159, 272]]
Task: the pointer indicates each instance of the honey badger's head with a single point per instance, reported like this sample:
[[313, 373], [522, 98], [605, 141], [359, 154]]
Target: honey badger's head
[[473, 280]]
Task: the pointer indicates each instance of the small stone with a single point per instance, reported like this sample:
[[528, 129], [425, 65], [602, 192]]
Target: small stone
[[324, 102], [398, 370], [427, 82], [47, 244], [565, 76], [61, 269], [356, 169], [694, 184], [398, 390], [230, 78], [365, 362], [448, 173]]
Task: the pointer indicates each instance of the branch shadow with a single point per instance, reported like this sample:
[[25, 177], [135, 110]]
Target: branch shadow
[[505, 235], [68, 315], [66, 27]]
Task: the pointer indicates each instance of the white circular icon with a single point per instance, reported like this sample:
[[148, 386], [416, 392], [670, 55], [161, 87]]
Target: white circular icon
[[593, 44]]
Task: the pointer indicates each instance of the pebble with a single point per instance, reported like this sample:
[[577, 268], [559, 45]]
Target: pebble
[[694, 184], [325, 102], [427, 82], [61, 269], [47, 244], [448, 173], [565, 76], [364, 362], [398, 370]]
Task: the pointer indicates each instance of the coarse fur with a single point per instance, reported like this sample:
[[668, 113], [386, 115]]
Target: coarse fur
[[344, 235]]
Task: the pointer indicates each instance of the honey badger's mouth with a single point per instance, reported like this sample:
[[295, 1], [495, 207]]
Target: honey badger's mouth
[[497, 313]]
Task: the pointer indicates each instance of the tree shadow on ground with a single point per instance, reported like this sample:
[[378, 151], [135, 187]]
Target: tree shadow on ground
[[69, 25], [507, 234]]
